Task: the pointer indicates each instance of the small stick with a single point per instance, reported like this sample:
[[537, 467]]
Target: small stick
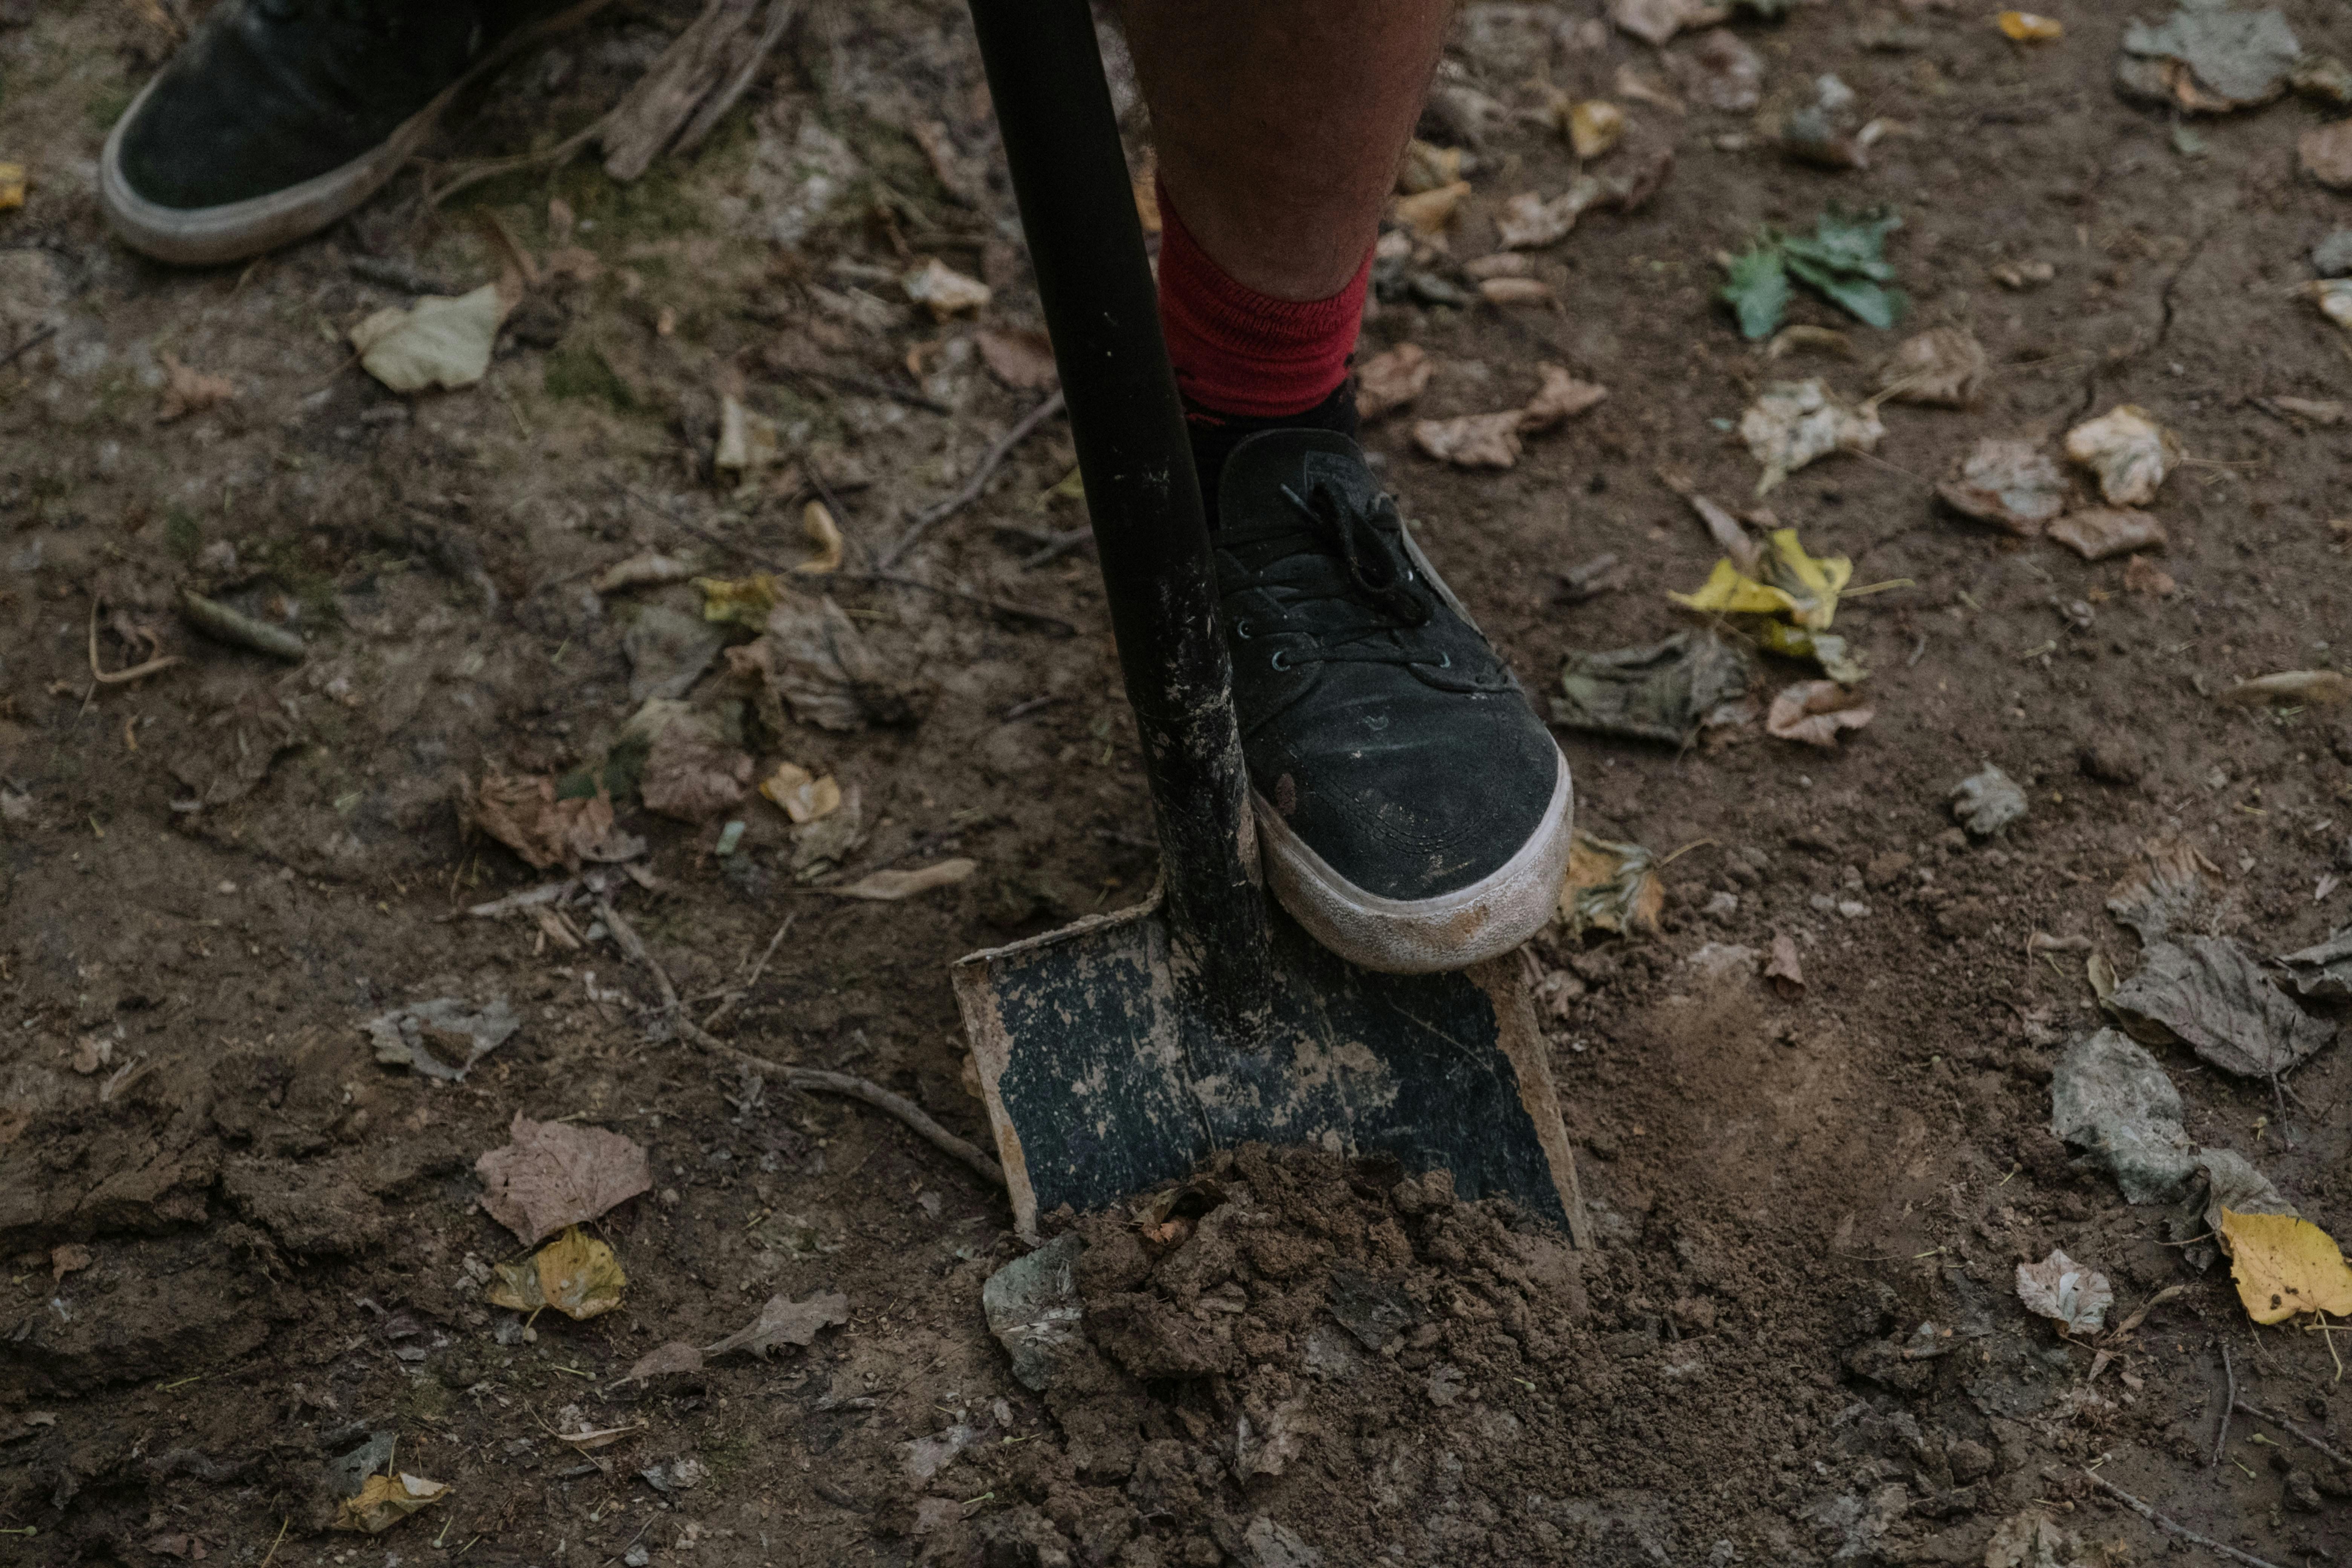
[[737, 993], [2309, 1440], [624, 936], [927, 521], [121, 677], [1002, 607], [1056, 547], [2174, 1527], [855, 1088], [222, 623], [2222, 1438], [871, 388], [27, 346]]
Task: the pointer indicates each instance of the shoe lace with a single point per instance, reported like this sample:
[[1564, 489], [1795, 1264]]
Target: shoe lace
[[1374, 598]]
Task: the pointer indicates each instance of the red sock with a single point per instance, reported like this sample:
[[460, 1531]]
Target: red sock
[[1240, 353]]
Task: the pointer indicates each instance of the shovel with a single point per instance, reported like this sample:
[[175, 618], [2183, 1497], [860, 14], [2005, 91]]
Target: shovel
[[1120, 1051]]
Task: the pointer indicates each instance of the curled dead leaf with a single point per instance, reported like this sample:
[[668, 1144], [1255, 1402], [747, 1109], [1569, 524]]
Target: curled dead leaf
[[2010, 483], [1429, 213], [187, 391], [942, 290], [2062, 1290], [824, 539], [2097, 533], [550, 1174], [384, 1500], [575, 1274], [1816, 711], [1388, 381], [888, 887], [1944, 365], [2129, 451]]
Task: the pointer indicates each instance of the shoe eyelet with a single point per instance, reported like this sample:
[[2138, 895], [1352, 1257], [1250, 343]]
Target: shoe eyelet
[[1278, 662], [1242, 630]]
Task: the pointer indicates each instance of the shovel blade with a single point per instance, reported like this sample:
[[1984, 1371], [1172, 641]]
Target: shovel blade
[[1101, 1081]]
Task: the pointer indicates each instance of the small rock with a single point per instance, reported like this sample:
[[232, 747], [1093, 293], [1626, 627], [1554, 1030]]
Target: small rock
[[2332, 256], [2302, 1491], [636, 1556], [1886, 870], [2113, 760], [1986, 803], [1970, 1461]]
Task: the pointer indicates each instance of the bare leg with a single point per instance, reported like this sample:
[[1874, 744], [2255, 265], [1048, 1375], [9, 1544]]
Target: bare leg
[[1279, 125]]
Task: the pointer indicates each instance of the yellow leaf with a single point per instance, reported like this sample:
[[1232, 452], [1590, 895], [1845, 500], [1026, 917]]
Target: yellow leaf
[[824, 534], [1804, 588], [384, 1500], [738, 601], [12, 186], [2027, 28], [1611, 886], [577, 1275], [2285, 1265]]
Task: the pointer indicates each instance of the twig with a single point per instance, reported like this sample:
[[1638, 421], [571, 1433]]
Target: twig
[[283, 1525], [873, 1094], [1056, 547], [2309, 1440], [2172, 1526], [870, 387], [121, 677], [1002, 607], [633, 946], [27, 346], [2222, 1438], [739, 992], [855, 1088], [222, 623], [562, 152], [925, 521]]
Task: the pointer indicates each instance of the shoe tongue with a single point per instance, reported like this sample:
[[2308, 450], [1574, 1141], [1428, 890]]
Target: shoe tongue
[[1249, 496]]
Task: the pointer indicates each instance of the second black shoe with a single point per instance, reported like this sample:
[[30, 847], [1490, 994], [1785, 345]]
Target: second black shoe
[[279, 116], [1413, 812]]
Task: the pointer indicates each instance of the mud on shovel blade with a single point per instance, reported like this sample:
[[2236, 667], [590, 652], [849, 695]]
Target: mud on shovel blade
[[1119, 1051]]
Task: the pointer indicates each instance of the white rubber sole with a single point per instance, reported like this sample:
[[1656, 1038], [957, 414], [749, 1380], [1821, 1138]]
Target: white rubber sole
[[204, 236], [1421, 936]]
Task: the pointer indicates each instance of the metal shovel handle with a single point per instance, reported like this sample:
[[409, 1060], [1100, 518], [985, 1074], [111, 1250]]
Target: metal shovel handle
[[1077, 208]]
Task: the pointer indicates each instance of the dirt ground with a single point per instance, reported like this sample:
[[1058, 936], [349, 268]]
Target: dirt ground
[[237, 1245]]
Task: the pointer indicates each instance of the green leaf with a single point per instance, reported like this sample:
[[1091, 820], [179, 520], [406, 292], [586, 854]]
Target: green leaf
[[1851, 242], [1858, 297], [1757, 290]]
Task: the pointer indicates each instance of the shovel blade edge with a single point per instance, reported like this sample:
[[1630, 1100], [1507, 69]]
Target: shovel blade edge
[[1100, 1081]]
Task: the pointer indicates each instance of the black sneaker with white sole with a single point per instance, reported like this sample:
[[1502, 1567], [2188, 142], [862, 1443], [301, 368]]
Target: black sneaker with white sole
[[1414, 812], [280, 116]]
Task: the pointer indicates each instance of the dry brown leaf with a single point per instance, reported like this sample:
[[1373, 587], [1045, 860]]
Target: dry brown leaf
[[1631, 83], [2211, 995], [1561, 396], [1792, 422], [1387, 381], [1431, 212], [2320, 688], [2334, 298], [187, 391], [437, 341], [888, 887], [1815, 711], [524, 814], [2285, 1265], [942, 290], [2010, 483], [2128, 450], [1501, 264], [550, 1174], [1508, 291], [384, 1500], [2317, 410], [1656, 21], [66, 1259], [575, 1274], [1529, 221], [815, 661], [824, 536], [2145, 577], [647, 570], [1471, 441], [691, 773], [2326, 154], [1783, 972], [674, 1356], [1427, 167], [1611, 886], [1022, 360], [1720, 72], [1944, 365], [2098, 532], [785, 1321], [2062, 1290]]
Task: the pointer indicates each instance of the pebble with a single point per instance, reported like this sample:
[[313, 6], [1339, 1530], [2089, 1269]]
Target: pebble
[[2332, 256], [2111, 759]]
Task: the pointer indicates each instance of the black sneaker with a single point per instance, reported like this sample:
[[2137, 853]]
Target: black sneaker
[[1414, 812], [280, 116]]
